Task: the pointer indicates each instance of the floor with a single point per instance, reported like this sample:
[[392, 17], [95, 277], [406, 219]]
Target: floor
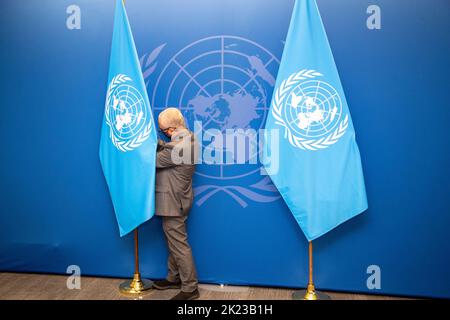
[[19, 286]]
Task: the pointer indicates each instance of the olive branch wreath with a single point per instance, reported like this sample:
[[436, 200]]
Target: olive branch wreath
[[123, 145], [282, 91]]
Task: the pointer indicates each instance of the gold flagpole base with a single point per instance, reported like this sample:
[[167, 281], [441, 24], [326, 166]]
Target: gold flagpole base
[[310, 294], [135, 286]]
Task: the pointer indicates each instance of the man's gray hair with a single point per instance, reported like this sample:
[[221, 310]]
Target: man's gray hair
[[172, 117]]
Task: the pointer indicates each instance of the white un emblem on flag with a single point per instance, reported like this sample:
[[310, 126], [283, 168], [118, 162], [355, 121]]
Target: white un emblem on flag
[[126, 114], [310, 111]]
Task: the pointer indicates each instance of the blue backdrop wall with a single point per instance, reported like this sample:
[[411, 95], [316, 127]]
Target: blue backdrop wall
[[55, 206]]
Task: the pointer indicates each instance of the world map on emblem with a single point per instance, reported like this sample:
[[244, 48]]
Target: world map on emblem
[[223, 82], [127, 111], [313, 109]]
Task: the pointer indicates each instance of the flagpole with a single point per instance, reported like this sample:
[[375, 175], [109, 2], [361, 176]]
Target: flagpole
[[310, 293], [137, 285]]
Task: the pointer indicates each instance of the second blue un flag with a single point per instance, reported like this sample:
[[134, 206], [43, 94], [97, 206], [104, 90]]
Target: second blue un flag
[[320, 175]]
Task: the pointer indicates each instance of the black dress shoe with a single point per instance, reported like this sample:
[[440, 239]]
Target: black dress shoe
[[166, 284], [187, 295]]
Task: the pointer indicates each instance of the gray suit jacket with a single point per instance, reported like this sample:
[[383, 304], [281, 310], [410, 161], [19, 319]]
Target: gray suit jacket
[[175, 166]]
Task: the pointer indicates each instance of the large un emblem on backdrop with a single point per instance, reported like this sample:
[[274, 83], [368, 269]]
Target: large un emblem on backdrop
[[310, 110], [126, 114], [222, 82]]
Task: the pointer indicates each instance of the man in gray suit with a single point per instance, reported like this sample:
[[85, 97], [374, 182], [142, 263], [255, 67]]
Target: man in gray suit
[[175, 165]]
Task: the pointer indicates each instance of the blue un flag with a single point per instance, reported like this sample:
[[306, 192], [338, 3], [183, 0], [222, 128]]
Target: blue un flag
[[320, 175], [128, 137]]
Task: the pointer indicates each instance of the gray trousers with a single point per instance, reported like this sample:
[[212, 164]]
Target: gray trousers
[[180, 263]]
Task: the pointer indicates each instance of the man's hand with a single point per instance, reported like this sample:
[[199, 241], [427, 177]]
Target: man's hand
[[160, 145]]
